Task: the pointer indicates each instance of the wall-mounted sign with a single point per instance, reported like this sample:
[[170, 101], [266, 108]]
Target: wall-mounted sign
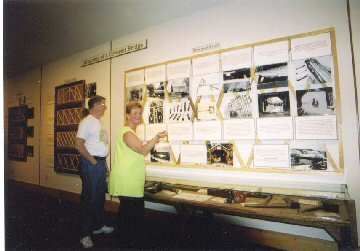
[[126, 49], [206, 47]]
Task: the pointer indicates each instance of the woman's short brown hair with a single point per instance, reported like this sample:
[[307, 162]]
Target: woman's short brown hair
[[131, 105]]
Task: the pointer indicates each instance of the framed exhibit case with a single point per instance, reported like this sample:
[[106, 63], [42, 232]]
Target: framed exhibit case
[[17, 133], [69, 107]]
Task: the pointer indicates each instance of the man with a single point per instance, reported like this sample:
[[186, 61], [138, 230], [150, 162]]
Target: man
[[91, 142]]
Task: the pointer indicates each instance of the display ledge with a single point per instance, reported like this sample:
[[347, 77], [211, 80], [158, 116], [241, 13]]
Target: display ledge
[[336, 216], [322, 184]]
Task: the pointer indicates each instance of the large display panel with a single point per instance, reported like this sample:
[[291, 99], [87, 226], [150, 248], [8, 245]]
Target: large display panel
[[269, 106]]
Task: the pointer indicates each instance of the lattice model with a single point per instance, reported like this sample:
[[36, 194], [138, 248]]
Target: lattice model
[[68, 161], [66, 139], [70, 94], [70, 116]]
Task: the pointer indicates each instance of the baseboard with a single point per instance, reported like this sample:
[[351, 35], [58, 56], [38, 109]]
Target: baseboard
[[258, 236]]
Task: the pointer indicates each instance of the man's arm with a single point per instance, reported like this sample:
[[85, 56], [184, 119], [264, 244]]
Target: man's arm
[[80, 146]]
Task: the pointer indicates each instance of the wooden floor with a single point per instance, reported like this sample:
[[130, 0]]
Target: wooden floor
[[35, 221]]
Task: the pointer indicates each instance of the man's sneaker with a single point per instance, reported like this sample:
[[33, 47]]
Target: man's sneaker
[[104, 230], [86, 242]]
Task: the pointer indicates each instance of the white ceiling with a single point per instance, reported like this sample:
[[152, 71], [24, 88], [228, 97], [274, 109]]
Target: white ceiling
[[40, 31]]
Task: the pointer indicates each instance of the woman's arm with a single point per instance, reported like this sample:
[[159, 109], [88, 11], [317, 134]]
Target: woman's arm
[[132, 141]]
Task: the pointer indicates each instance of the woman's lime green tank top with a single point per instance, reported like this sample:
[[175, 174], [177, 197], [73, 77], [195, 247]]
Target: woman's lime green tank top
[[127, 176]]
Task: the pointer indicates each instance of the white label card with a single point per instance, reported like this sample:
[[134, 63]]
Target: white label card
[[275, 156], [206, 65], [239, 129], [271, 53], [179, 70], [207, 130], [314, 46], [316, 127], [193, 154], [236, 59], [155, 74], [275, 128], [135, 78], [180, 131]]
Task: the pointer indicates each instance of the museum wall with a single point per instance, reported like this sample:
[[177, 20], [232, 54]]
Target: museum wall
[[294, 18], [238, 23], [232, 24]]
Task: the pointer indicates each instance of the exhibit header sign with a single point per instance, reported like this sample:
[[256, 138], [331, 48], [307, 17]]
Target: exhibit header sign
[[126, 49]]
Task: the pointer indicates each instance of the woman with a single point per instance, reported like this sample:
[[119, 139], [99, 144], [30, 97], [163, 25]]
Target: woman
[[127, 176]]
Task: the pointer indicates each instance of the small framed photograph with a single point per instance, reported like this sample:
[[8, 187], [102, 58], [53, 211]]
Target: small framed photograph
[[274, 104], [220, 153], [314, 102]]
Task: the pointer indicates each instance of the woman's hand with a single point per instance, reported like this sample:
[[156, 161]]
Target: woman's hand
[[160, 135]]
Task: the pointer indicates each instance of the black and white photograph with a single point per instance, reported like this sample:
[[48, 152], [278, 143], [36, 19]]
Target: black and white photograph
[[161, 153], [180, 111], [155, 111], [220, 153], [156, 90], [307, 158], [135, 93], [237, 105], [238, 86], [237, 74], [313, 70], [315, 102], [178, 88], [274, 104], [206, 109], [272, 75], [206, 85]]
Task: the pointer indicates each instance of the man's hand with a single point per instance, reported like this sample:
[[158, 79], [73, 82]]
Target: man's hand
[[93, 161], [80, 146]]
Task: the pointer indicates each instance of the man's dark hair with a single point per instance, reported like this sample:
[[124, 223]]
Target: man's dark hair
[[94, 100]]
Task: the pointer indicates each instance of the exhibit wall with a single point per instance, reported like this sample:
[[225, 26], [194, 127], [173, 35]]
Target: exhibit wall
[[176, 39], [198, 30], [234, 23]]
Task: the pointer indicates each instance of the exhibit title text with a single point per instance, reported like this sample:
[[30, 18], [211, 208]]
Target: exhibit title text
[[206, 47], [115, 53]]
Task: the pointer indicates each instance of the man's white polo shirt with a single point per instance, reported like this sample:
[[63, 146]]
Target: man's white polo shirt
[[95, 138]]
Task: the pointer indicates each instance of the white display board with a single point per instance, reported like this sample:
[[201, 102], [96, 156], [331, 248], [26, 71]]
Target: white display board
[[267, 106]]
